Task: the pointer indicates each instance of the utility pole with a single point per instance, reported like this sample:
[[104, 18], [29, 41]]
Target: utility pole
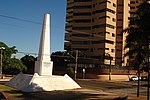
[[76, 65], [110, 69], [148, 72], [109, 58], [1, 68]]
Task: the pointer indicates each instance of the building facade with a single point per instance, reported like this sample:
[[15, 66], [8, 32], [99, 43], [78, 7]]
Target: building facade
[[95, 27]]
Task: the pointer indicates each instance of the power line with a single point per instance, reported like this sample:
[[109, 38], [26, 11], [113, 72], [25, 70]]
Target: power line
[[29, 21], [20, 19], [25, 20]]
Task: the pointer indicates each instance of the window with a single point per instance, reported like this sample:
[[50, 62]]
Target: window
[[109, 41], [81, 42], [119, 34], [118, 57], [70, 3], [110, 26], [120, 12], [120, 5], [132, 2], [82, 14], [112, 50], [103, 25], [93, 20], [81, 28], [93, 5], [113, 35], [100, 32], [104, 2], [82, 21], [106, 48], [82, 7], [104, 10], [132, 7], [119, 50], [119, 19], [80, 35], [132, 12], [109, 10], [104, 17], [113, 19], [100, 48], [107, 32], [114, 5]]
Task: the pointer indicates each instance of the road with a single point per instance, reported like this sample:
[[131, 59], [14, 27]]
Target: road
[[127, 87]]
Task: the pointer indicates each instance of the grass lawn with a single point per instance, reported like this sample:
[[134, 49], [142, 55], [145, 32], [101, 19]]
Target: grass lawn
[[10, 92], [13, 94]]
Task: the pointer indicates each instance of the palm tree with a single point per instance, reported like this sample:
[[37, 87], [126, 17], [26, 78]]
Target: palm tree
[[137, 39]]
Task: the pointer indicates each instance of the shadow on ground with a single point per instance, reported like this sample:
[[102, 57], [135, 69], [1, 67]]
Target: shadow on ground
[[61, 95]]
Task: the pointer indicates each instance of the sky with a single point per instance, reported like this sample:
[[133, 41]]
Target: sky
[[21, 23]]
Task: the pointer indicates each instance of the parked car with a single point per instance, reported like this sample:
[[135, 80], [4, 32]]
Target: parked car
[[2, 96], [144, 78], [134, 78]]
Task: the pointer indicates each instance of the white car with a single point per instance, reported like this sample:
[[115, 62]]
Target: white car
[[135, 78]]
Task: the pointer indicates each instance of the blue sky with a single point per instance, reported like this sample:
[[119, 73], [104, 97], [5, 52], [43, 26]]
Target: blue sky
[[26, 35]]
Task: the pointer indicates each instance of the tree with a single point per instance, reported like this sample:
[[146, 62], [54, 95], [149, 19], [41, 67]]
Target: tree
[[29, 62], [14, 67], [11, 65], [137, 39]]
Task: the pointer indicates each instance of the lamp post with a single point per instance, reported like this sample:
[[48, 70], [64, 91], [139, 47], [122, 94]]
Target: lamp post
[[109, 57], [76, 65], [110, 70], [1, 68], [148, 47]]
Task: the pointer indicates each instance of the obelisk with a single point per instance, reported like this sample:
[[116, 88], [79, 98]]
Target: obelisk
[[44, 65], [43, 80]]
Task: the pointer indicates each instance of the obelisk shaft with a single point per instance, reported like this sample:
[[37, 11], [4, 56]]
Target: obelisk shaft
[[43, 65], [44, 49]]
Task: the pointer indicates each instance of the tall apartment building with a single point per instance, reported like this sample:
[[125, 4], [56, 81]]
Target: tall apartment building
[[95, 28]]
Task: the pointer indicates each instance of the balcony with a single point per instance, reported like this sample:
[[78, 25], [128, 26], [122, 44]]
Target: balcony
[[67, 45], [68, 24], [67, 37], [78, 46], [69, 29], [69, 9]]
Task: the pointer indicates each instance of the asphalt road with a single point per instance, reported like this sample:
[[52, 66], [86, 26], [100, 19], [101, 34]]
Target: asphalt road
[[126, 87]]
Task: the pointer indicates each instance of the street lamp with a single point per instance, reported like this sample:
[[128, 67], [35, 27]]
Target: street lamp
[[1, 68], [83, 73], [76, 65]]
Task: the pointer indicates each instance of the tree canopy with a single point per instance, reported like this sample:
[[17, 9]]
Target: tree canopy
[[10, 65], [29, 62], [138, 31]]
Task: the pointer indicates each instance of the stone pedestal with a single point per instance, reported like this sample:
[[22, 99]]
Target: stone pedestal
[[46, 68], [36, 83]]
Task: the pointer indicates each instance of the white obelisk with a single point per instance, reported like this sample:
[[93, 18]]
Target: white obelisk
[[44, 65], [42, 80]]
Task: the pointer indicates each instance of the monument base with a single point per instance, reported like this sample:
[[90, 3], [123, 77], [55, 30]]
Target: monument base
[[43, 68], [36, 83]]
